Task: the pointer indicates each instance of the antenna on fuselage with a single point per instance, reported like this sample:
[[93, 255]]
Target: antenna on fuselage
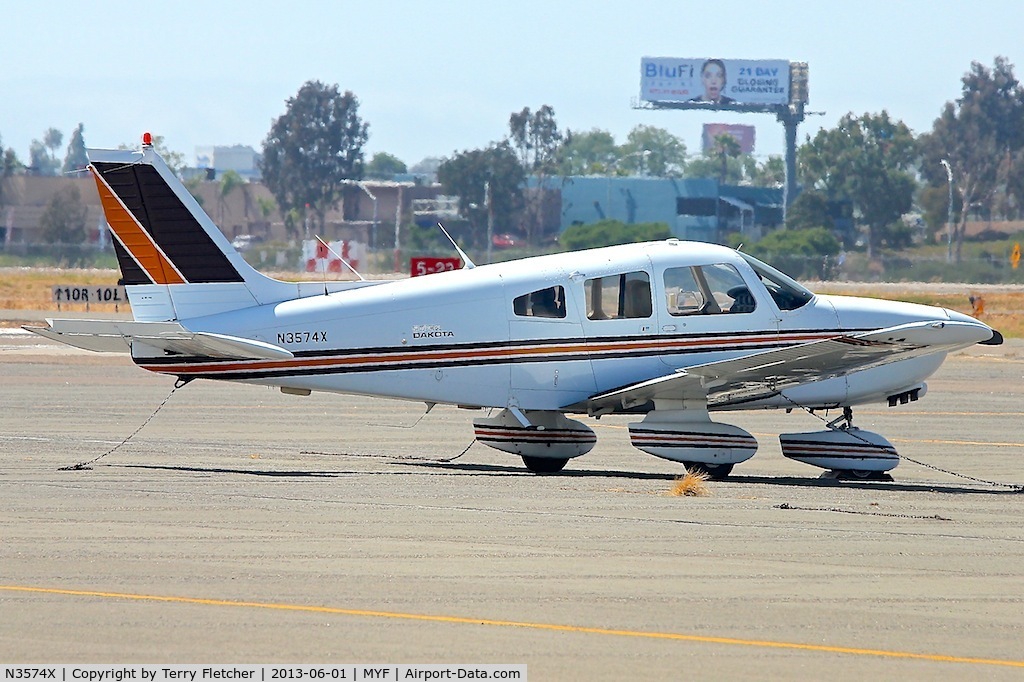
[[468, 262]]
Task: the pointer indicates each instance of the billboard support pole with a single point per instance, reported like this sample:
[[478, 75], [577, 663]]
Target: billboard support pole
[[790, 117], [683, 74]]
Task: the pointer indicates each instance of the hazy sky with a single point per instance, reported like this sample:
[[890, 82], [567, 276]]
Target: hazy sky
[[437, 77]]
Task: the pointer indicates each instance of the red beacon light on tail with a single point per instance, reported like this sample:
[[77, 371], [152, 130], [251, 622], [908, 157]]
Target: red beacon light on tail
[[147, 139]]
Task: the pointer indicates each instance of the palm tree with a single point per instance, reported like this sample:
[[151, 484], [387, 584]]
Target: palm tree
[[229, 181], [726, 147]]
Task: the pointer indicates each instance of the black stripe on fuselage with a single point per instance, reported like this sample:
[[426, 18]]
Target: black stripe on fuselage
[[168, 363], [538, 343]]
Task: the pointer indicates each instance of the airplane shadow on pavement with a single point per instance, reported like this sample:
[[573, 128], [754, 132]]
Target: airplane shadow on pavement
[[470, 469]]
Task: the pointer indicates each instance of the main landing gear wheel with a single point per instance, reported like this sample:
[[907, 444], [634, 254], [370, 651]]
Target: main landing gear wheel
[[544, 465], [716, 472]]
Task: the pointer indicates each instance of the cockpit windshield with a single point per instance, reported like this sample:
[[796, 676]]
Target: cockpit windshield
[[787, 293]]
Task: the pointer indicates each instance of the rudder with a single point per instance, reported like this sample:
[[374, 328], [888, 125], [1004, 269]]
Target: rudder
[[175, 263]]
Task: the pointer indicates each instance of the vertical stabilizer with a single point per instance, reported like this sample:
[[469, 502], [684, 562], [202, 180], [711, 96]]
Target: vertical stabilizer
[[175, 263]]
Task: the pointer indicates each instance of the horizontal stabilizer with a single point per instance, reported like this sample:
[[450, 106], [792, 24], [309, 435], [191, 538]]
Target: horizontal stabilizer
[[115, 336]]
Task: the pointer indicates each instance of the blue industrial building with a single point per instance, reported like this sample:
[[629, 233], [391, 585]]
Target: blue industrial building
[[700, 209]]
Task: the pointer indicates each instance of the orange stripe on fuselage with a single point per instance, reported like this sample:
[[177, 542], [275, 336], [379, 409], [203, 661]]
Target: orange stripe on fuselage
[[134, 238], [584, 351]]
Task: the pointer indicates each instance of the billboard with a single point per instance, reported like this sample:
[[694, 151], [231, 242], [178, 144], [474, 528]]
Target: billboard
[[713, 83], [744, 135]]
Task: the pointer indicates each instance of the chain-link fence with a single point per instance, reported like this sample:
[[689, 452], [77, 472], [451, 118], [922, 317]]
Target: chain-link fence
[[284, 257], [856, 267], [56, 255]]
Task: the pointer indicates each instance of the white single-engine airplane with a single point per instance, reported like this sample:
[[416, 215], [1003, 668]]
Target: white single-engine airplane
[[667, 330]]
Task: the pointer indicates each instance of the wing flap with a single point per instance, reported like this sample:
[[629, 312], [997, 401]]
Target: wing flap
[[761, 375], [115, 336]]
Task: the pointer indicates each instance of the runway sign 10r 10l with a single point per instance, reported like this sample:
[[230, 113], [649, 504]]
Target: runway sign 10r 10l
[[91, 294]]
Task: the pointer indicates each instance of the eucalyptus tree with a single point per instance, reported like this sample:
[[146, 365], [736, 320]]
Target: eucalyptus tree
[[312, 149]]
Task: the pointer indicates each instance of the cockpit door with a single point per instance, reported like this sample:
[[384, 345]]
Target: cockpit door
[[712, 311]]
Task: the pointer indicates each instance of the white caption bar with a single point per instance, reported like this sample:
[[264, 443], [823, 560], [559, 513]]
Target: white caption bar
[[384, 672]]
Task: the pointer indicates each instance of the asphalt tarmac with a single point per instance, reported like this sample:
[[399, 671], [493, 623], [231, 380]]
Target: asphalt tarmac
[[243, 525]]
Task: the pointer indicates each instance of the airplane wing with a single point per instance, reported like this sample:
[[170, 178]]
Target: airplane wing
[[762, 375], [113, 336]]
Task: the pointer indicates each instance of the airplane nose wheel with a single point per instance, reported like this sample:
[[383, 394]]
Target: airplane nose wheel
[[716, 472], [847, 453], [845, 422], [859, 475], [544, 465]]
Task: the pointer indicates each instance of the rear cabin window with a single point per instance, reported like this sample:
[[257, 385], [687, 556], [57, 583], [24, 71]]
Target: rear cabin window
[[548, 302], [618, 297], [707, 290]]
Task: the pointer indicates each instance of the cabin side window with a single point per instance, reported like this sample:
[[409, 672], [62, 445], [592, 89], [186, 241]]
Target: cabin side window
[[707, 290], [683, 295], [548, 302], [619, 296]]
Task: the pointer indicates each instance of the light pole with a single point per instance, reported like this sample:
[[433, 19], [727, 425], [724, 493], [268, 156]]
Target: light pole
[[614, 163], [398, 224], [643, 154], [373, 227], [489, 204], [949, 211]]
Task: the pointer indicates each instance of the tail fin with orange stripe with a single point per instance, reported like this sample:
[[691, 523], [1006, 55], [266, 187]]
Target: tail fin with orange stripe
[[175, 263]]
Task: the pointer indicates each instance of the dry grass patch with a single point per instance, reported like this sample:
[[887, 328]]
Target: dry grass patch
[[693, 484], [31, 288], [1003, 304]]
